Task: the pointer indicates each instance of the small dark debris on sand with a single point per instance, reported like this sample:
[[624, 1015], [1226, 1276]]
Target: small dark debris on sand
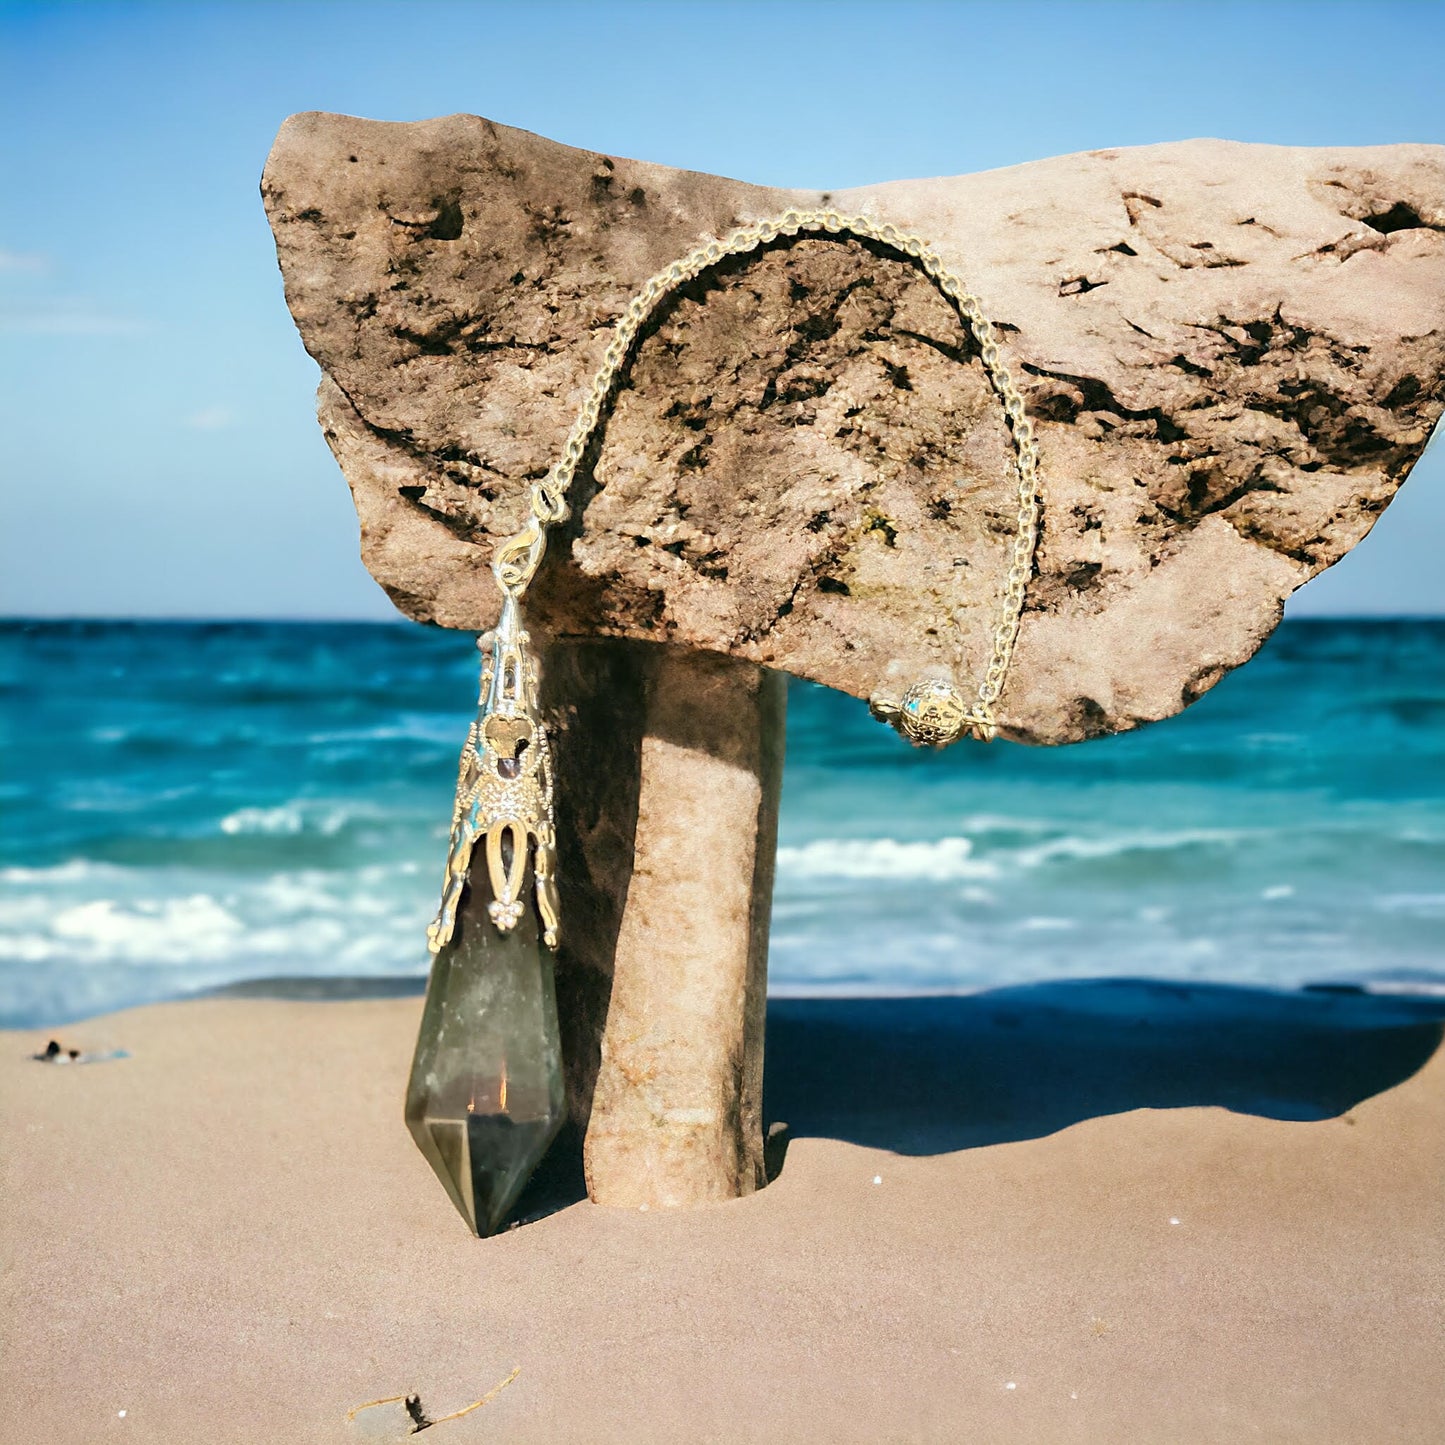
[[55, 1053]]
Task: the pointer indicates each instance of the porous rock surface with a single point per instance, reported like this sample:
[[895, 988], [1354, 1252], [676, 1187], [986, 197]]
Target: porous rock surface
[[1233, 355]]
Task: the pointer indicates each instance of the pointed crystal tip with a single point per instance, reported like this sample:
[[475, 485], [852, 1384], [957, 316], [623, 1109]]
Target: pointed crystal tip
[[484, 1160]]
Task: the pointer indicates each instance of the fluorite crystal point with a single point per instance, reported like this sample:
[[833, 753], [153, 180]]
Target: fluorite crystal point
[[486, 1096]]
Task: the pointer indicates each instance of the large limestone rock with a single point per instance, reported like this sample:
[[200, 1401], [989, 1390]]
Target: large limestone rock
[[1233, 355]]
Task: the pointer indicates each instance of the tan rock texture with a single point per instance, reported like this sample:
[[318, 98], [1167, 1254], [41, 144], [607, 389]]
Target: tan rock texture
[[1233, 355]]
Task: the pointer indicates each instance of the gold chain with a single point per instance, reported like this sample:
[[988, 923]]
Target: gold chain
[[519, 556]]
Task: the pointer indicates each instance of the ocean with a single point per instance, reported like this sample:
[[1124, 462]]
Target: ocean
[[189, 805]]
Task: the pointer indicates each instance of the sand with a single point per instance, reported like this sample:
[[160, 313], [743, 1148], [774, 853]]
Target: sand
[[229, 1236]]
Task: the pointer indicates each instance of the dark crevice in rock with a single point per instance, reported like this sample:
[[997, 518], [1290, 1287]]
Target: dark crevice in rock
[[877, 522], [784, 608], [1088, 719], [460, 527], [1200, 683], [1199, 497], [440, 340], [1306, 552], [1097, 397], [1400, 217], [1184, 364], [458, 467], [1136, 202], [480, 346], [1083, 576], [691, 415], [898, 375], [448, 224], [442, 220], [1326, 420], [962, 352], [1209, 262], [1264, 336], [1404, 392]]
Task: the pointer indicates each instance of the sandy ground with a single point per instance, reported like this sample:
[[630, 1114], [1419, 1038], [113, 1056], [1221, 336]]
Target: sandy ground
[[229, 1236]]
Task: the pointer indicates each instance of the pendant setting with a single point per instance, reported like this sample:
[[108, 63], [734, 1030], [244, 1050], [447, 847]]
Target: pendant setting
[[504, 790], [486, 1096]]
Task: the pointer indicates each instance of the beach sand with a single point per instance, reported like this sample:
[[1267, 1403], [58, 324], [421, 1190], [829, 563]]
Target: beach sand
[[979, 1233]]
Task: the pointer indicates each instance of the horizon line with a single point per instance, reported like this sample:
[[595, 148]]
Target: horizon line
[[8, 619]]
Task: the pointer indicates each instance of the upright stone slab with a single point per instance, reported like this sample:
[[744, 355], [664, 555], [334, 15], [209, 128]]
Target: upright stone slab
[[669, 770]]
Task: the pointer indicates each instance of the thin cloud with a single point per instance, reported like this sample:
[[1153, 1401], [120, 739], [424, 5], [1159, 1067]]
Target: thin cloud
[[212, 418], [64, 316], [29, 263]]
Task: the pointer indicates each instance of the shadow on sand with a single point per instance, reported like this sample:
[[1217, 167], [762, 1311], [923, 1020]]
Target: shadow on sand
[[931, 1075]]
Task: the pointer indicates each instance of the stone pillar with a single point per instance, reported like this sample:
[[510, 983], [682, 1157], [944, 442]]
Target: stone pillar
[[669, 772]]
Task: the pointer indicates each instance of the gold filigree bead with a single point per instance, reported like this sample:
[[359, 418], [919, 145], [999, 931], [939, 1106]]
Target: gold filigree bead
[[932, 714]]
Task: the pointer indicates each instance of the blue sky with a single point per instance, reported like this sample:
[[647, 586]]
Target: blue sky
[[159, 452]]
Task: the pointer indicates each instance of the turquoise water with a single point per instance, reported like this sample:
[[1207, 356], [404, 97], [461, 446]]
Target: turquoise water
[[187, 805]]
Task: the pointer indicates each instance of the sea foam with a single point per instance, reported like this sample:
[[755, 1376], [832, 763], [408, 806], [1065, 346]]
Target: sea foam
[[937, 861]]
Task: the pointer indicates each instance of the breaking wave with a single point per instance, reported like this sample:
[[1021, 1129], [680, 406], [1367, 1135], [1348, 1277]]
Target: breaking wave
[[941, 860], [937, 861]]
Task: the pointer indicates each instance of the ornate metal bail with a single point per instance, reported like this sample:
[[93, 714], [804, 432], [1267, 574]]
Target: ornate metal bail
[[504, 789]]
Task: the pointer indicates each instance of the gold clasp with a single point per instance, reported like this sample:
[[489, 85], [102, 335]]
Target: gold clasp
[[519, 557]]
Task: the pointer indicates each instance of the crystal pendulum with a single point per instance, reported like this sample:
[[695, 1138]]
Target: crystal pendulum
[[486, 1097]]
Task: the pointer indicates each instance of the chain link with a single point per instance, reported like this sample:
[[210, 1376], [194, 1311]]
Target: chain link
[[519, 556]]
